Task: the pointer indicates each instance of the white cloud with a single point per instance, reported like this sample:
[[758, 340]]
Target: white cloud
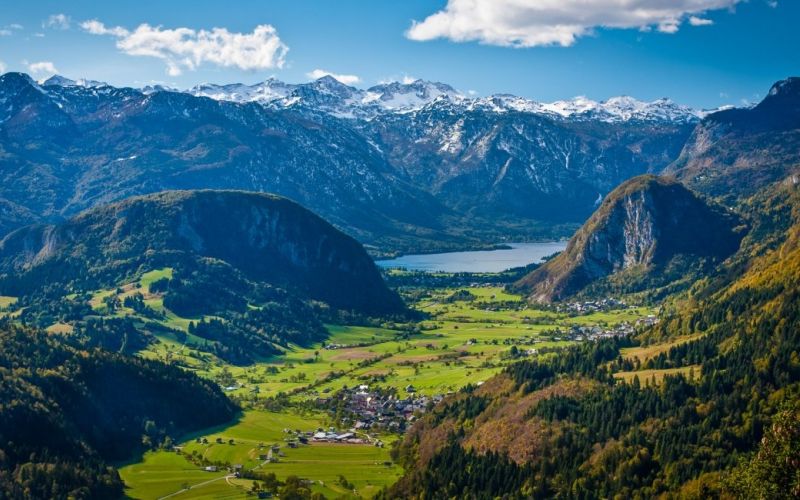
[[57, 21], [186, 48], [95, 27], [700, 21], [2, 67], [9, 29], [346, 79], [669, 26], [42, 68], [532, 23]]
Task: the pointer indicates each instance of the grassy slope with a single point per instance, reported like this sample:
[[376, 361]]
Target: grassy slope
[[164, 472], [480, 331]]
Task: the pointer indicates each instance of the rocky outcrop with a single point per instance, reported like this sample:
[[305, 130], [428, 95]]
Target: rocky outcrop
[[644, 225]]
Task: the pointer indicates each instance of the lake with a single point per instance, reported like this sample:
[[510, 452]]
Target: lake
[[481, 261]]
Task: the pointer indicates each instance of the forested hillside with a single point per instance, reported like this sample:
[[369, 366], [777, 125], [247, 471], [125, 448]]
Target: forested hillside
[[250, 237], [66, 411], [253, 272], [726, 402]]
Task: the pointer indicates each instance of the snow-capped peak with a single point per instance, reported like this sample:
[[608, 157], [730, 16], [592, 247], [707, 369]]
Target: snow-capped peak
[[331, 85], [402, 96], [621, 109], [61, 81], [331, 96], [264, 92]]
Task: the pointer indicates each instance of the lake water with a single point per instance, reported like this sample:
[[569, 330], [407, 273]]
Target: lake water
[[482, 261]]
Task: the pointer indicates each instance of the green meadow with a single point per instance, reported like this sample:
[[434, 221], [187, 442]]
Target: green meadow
[[458, 342], [161, 473]]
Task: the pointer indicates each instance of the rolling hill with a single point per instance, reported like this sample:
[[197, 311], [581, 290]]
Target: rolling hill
[[246, 238]]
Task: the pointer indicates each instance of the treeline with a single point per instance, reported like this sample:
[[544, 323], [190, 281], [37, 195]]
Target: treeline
[[66, 412], [458, 473], [421, 280], [240, 338]]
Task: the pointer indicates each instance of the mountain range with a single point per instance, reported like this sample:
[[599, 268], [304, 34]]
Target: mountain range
[[395, 97], [399, 166]]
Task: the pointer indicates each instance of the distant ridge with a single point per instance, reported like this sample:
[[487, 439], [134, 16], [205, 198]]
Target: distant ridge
[[403, 167]]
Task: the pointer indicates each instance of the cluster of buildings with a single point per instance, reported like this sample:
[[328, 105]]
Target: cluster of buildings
[[591, 306], [333, 347], [649, 320], [583, 333], [367, 409], [333, 436]]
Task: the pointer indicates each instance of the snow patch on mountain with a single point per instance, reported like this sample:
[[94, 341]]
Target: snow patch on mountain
[[331, 96], [62, 81]]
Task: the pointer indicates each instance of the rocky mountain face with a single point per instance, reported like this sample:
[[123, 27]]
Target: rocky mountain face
[[642, 227], [343, 100], [738, 151], [520, 164], [266, 239], [66, 149], [400, 166]]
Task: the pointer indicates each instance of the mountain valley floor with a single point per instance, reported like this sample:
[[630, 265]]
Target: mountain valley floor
[[365, 381]]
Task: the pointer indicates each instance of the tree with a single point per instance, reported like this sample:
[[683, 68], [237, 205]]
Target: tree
[[773, 472]]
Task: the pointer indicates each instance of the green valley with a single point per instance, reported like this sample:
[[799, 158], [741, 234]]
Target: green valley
[[464, 336]]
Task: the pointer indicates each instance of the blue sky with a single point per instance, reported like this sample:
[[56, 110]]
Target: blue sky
[[729, 53]]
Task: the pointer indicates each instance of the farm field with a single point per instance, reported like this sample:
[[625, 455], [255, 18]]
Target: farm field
[[161, 473], [460, 342], [6, 301], [467, 334], [646, 352]]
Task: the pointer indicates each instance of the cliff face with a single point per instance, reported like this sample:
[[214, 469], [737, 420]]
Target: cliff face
[[266, 238], [644, 225]]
